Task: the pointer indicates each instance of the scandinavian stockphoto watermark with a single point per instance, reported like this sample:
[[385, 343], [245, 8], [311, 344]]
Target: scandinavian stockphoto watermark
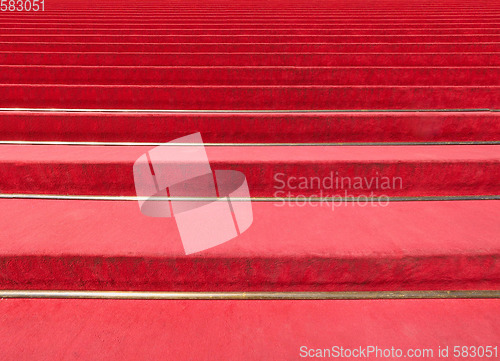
[[334, 190], [176, 180]]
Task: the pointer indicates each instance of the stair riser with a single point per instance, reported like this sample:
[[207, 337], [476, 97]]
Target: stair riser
[[249, 97], [387, 24], [250, 59], [252, 38], [228, 274], [272, 178], [266, 128], [272, 30], [249, 76], [417, 47]]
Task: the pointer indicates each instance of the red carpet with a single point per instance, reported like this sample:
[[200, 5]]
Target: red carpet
[[406, 90], [138, 58], [244, 75], [58, 244], [338, 127], [397, 171], [243, 97], [239, 330]]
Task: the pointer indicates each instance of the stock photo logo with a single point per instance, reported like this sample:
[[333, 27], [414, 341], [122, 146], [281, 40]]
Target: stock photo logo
[[176, 180]]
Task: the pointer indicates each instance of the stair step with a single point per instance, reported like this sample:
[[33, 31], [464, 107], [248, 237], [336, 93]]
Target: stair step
[[212, 97], [149, 330], [251, 38], [251, 48], [110, 245], [310, 127], [139, 58], [141, 25], [98, 75], [238, 31], [271, 171]]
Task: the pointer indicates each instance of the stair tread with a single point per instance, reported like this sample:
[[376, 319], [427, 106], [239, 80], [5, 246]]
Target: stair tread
[[246, 97], [150, 330], [252, 153], [64, 244], [422, 170], [306, 127]]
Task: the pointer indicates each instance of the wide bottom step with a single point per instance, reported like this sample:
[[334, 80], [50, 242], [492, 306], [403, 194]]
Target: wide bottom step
[[219, 330], [110, 245]]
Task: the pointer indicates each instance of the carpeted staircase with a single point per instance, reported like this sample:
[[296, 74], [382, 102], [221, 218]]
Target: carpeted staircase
[[285, 92]]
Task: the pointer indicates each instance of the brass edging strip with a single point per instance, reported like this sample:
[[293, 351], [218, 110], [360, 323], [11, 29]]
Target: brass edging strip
[[251, 199], [326, 144], [214, 111], [140, 295]]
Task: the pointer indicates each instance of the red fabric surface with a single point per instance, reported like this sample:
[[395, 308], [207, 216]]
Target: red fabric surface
[[252, 55], [237, 330], [249, 48], [165, 39], [266, 127], [249, 75], [138, 58], [241, 97], [307, 247], [417, 170]]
